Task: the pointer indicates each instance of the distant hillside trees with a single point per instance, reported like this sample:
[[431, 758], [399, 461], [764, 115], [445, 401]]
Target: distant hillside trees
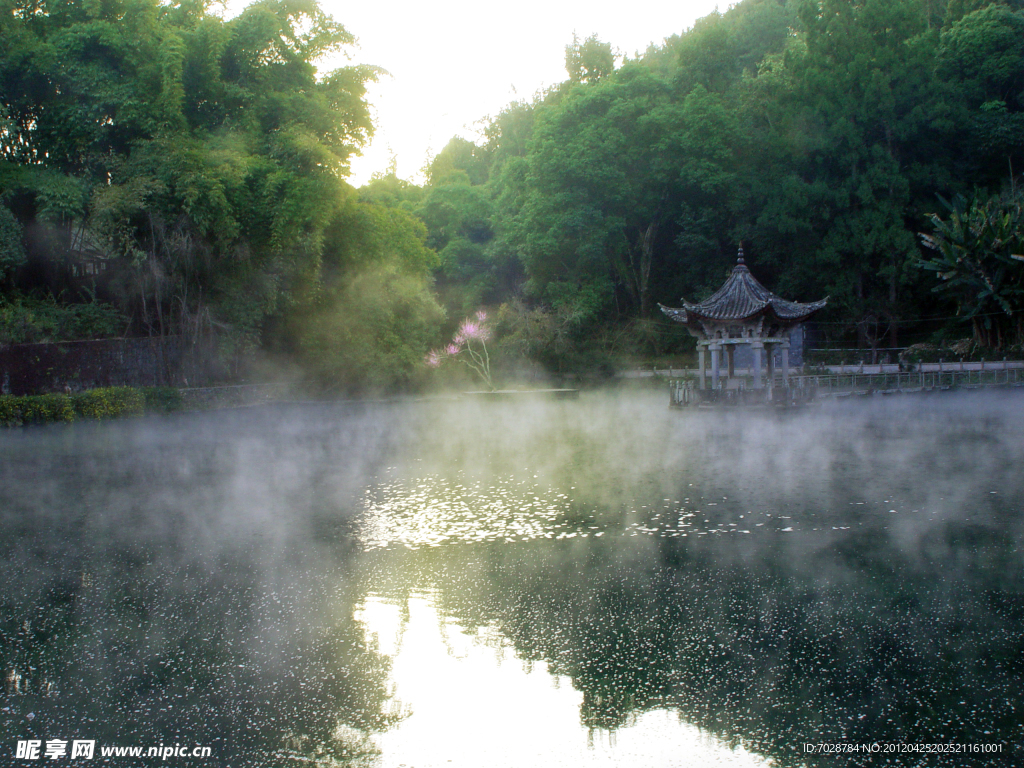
[[821, 134]]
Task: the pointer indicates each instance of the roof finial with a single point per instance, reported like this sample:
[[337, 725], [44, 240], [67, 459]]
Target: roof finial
[[739, 257]]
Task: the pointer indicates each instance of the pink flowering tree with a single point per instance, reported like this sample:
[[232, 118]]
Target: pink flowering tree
[[469, 347]]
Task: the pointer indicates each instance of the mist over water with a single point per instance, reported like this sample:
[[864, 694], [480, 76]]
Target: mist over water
[[593, 582]]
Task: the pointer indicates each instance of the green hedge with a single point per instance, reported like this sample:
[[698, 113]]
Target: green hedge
[[108, 402], [104, 403], [35, 409]]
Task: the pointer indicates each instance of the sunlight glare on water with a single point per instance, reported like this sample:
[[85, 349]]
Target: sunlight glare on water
[[437, 510], [432, 510], [468, 700]]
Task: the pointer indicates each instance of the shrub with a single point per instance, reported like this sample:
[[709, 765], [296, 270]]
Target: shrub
[[104, 403], [108, 402], [35, 409]]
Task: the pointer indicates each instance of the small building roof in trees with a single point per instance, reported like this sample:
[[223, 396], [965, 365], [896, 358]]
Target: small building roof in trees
[[743, 298]]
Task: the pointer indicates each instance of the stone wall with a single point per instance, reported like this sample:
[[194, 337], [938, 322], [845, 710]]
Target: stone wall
[[235, 396], [27, 369]]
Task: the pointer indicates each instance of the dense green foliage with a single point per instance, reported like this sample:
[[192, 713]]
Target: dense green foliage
[[820, 134], [31, 320], [187, 173]]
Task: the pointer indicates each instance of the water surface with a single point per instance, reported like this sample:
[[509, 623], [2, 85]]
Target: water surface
[[601, 582]]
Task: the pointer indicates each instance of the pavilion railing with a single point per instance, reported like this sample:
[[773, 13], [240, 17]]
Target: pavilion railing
[[909, 381], [806, 387]]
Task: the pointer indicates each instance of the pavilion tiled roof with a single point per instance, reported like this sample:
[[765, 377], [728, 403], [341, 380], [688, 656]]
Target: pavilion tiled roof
[[742, 297]]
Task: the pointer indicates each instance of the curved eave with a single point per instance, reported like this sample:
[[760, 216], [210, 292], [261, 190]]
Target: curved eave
[[777, 310], [679, 315]]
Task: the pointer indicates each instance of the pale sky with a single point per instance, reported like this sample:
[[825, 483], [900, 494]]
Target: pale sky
[[455, 62]]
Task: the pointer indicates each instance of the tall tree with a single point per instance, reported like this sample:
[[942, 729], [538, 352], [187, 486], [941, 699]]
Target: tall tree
[[200, 160], [855, 90], [613, 168], [587, 61]]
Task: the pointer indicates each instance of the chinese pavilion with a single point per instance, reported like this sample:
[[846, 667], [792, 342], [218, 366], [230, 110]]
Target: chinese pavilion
[[742, 311]]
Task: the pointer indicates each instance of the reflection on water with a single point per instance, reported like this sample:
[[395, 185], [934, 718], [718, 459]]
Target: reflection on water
[[592, 582], [469, 700]]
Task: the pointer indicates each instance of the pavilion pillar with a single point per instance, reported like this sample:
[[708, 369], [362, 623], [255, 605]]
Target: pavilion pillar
[[730, 351], [702, 349], [770, 351], [785, 363], [714, 348], [757, 347]]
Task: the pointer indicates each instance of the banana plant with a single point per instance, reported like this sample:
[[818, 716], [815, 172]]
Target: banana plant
[[977, 259]]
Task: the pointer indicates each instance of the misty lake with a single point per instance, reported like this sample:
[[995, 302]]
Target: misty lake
[[600, 582]]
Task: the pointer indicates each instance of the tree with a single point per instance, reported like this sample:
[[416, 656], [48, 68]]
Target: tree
[[609, 169], [365, 319], [200, 160], [981, 60], [458, 217], [588, 61], [459, 156], [12, 254], [855, 121]]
